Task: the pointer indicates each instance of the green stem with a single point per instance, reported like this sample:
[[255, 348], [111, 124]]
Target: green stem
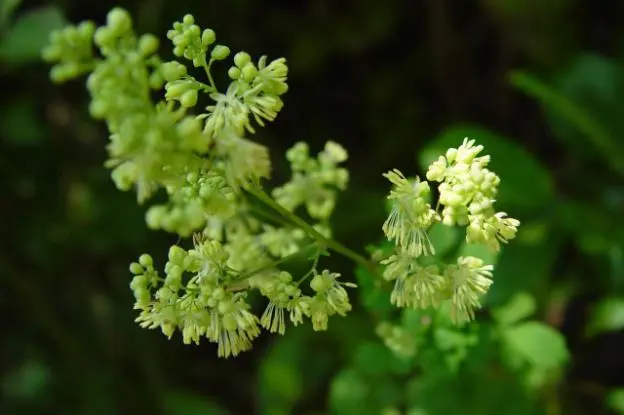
[[207, 67], [241, 280], [329, 243]]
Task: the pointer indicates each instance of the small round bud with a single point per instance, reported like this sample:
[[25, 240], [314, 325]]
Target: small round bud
[[220, 52], [103, 36], [136, 268], [148, 44], [118, 20], [285, 277], [208, 37], [189, 98], [249, 71], [189, 126], [98, 109], [172, 71], [86, 29], [146, 260], [320, 284], [234, 73], [188, 19], [241, 59], [178, 51]]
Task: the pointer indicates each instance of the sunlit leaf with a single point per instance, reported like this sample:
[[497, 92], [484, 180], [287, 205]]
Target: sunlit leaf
[[521, 306], [29, 34], [607, 316], [537, 343]]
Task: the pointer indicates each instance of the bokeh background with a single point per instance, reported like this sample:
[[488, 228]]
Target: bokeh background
[[539, 83]]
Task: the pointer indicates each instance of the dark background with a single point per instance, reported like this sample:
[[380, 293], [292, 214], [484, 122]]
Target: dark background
[[388, 80]]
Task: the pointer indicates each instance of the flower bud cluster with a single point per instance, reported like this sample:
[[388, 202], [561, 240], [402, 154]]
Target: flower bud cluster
[[466, 195], [467, 192], [314, 182]]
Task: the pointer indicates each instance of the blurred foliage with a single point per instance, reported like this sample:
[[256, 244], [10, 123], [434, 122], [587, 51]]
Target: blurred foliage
[[538, 83]]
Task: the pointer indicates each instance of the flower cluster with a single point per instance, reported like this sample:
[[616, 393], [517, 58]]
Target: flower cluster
[[466, 197], [314, 182], [210, 172]]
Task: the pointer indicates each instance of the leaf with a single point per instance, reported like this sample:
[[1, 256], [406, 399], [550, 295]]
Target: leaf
[[348, 393], [537, 343], [372, 295], [615, 400], [29, 35], [607, 316], [583, 105], [7, 7], [521, 306], [525, 183], [443, 238], [375, 358], [187, 403], [479, 251], [521, 268]]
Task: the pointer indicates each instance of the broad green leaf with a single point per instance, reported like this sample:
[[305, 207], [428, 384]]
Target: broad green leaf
[[372, 295], [375, 358], [281, 372], [480, 251], [615, 400], [444, 238], [6, 10], [583, 105], [187, 403], [607, 316], [525, 183], [521, 306], [537, 343], [29, 34], [348, 393], [521, 268]]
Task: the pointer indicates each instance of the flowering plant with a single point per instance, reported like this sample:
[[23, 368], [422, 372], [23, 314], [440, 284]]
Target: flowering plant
[[240, 234]]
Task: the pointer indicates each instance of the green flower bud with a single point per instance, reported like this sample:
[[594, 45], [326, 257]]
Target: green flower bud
[[320, 283], [136, 268], [249, 71], [241, 59], [146, 260], [103, 36], [172, 71], [234, 73], [118, 20], [220, 52], [208, 37], [148, 44], [188, 19], [189, 98]]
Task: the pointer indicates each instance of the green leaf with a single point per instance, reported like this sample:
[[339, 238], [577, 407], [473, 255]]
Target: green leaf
[[372, 295], [607, 316], [7, 7], [375, 358], [444, 238], [348, 393], [187, 403], [583, 105], [28, 36], [521, 306], [615, 400], [521, 268], [525, 183], [479, 251], [537, 343]]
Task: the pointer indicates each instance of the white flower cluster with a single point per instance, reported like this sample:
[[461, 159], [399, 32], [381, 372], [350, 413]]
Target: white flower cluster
[[467, 191]]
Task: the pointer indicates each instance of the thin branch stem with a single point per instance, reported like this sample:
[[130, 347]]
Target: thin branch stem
[[328, 242]]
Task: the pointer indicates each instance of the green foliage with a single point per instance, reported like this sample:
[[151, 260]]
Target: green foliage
[[253, 246], [24, 39]]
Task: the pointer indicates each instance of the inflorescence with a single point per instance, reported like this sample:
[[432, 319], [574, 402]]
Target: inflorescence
[[211, 172]]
